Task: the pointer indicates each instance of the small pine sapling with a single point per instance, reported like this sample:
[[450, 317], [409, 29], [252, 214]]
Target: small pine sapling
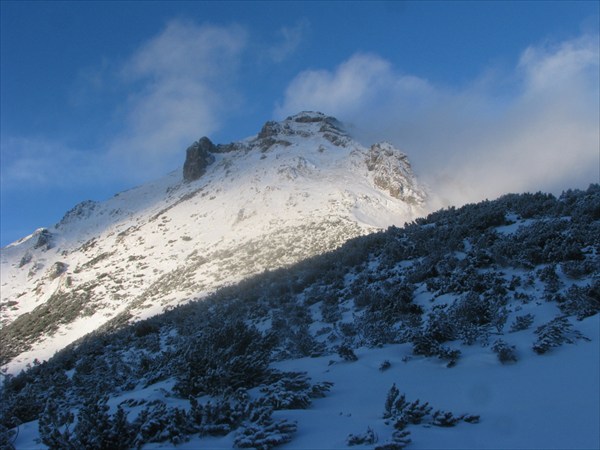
[[506, 353], [367, 438], [346, 353], [385, 365], [447, 419], [444, 419], [403, 413], [555, 333], [522, 322], [262, 432], [400, 440]]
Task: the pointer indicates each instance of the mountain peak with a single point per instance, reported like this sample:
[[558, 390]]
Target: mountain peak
[[305, 124], [299, 187], [313, 117]]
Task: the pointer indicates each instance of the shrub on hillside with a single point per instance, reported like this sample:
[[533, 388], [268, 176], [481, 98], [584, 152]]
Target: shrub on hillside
[[555, 333], [506, 353]]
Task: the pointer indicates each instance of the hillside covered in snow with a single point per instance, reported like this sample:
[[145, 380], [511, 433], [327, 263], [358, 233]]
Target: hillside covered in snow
[[299, 188], [475, 327]]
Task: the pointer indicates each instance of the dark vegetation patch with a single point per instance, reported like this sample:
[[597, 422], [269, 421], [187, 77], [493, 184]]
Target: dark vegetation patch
[[476, 266]]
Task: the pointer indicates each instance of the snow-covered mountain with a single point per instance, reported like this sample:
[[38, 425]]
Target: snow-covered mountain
[[252, 300], [298, 188]]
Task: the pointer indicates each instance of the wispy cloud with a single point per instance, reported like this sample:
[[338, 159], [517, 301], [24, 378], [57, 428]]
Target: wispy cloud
[[184, 79], [31, 163], [180, 85], [290, 39], [533, 127]]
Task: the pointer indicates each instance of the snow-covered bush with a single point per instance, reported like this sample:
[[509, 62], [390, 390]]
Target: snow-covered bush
[[217, 417], [400, 440], [260, 431], [424, 344], [441, 326], [157, 423], [92, 430], [579, 268], [449, 354], [551, 281], [385, 365], [506, 353], [522, 322], [447, 419], [293, 390], [346, 353], [231, 356], [389, 313], [555, 333], [368, 437], [583, 301], [401, 413], [265, 436], [55, 426]]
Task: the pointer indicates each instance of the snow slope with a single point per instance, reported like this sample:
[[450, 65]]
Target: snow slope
[[299, 188], [423, 308], [548, 402]]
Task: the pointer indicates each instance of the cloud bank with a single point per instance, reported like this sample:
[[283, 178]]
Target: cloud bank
[[534, 127], [290, 40], [180, 84]]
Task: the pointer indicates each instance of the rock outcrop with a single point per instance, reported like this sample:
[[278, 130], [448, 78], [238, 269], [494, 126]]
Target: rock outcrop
[[198, 158], [44, 239], [79, 212], [392, 172]]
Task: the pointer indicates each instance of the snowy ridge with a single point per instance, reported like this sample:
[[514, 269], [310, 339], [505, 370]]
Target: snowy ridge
[[298, 188]]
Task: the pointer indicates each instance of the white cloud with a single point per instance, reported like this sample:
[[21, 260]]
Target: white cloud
[[551, 67], [534, 128], [359, 83], [291, 38], [184, 78], [180, 85], [187, 50]]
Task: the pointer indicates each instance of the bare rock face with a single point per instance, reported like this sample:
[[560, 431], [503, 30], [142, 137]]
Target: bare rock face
[[304, 124], [81, 211], [44, 239], [198, 158], [392, 172], [57, 269]]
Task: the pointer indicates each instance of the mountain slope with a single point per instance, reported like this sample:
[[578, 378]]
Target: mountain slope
[[298, 188], [476, 327]]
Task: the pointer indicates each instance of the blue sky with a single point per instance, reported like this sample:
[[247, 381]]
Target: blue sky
[[484, 97]]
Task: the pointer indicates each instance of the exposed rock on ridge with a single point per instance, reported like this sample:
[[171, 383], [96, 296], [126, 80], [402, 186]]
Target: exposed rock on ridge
[[44, 239], [393, 173], [198, 158], [274, 133]]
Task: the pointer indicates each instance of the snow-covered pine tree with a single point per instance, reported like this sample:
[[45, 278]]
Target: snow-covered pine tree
[[54, 426], [555, 333], [93, 424]]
